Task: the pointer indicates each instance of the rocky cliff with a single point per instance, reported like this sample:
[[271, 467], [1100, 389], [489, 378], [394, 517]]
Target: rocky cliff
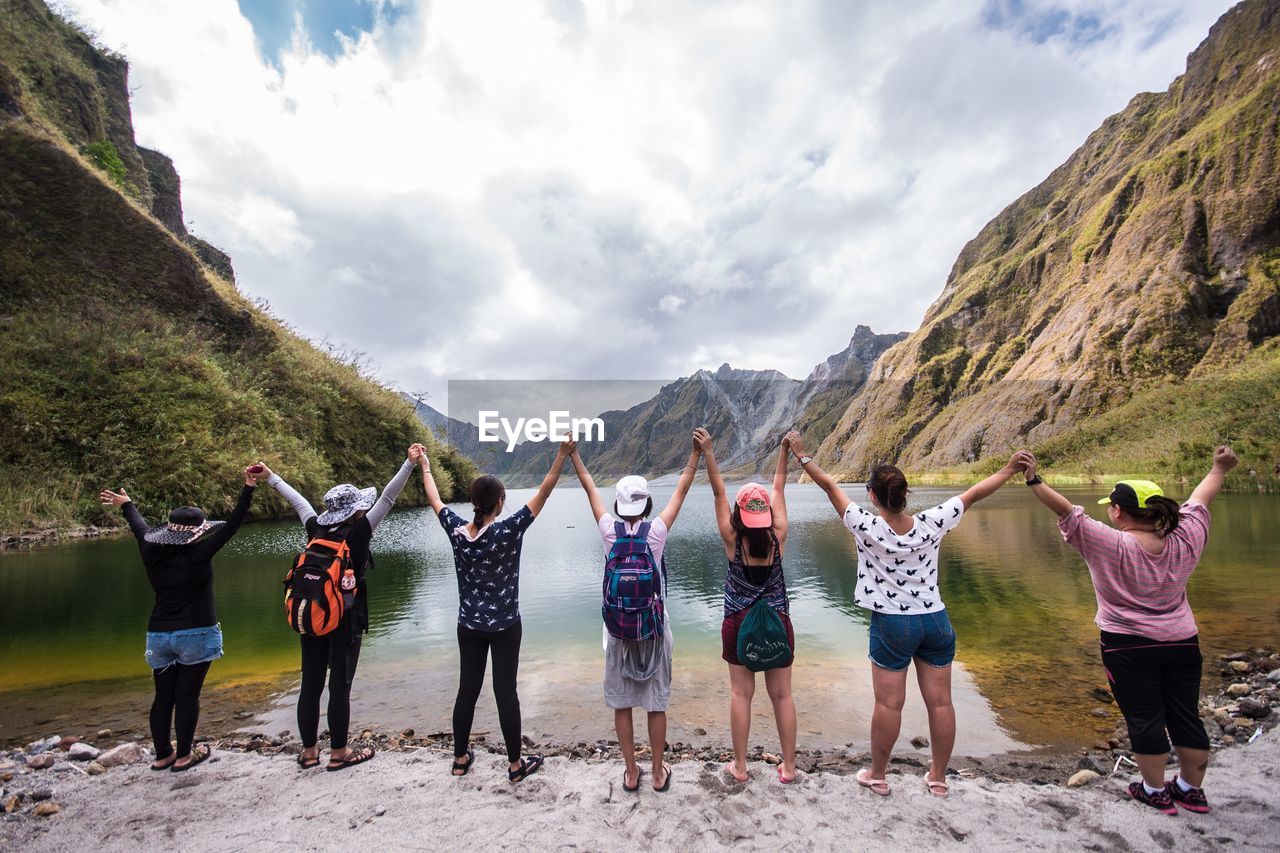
[[1122, 315], [128, 361]]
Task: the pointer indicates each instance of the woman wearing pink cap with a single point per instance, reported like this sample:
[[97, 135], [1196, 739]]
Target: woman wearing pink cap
[[758, 518]]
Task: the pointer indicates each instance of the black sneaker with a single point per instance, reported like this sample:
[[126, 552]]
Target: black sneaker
[[1159, 800], [1193, 800]]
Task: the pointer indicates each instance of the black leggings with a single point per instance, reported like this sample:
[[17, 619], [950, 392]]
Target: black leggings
[[177, 702], [474, 648], [335, 654], [1157, 686]]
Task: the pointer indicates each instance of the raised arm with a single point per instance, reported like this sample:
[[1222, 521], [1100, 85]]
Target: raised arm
[[825, 481], [1046, 495], [588, 485], [563, 452], [428, 481], [222, 534], [987, 487], [1224, 459], [778, 497], [672, 509], [391, 491], [137, 525], [723, 516], [297, 501]]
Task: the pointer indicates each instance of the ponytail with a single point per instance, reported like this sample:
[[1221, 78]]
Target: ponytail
[[486, 493], [759, 540], [889, 485], [1161, 512]]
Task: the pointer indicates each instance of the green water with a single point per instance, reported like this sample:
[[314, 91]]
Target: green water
[[74, 618]]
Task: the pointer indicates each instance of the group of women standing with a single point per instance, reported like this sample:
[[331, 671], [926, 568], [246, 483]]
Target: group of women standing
[[1139, 565]]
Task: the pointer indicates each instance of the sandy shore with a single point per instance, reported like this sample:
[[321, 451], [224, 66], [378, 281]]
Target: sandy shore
[[407, 800]]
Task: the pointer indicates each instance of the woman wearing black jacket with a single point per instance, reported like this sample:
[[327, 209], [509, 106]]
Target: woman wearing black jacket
[[183, 636]]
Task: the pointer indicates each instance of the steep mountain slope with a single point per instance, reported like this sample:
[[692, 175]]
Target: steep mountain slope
[[127, 362], [1142, 276], [748, 412]]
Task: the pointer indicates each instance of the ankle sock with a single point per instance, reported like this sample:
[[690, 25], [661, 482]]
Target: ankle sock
[[1151, 792], [1184, 787]]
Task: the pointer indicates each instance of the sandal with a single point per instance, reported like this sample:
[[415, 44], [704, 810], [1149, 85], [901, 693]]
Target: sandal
[[938, 789], [307, 763], [199, 753], [351, 760], [465, 767], [165, 763], [528, 766], [631, 789], [741, 780], [783, 779], [666, 783], [879, 787]]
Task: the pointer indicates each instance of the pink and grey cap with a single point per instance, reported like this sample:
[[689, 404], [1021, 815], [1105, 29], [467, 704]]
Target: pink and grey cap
[[632, 494], [753, 506]]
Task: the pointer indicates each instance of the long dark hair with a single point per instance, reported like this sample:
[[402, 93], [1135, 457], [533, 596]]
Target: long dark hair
[[759, 540], [889, 485], [1161, 512], [486, 493]]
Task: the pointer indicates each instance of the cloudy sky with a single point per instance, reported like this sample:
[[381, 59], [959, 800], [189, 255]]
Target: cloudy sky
[[569, 189]]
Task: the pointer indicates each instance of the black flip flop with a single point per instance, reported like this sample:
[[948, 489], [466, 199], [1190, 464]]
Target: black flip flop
[[198, 756], [166, 758], [528, 766], [351, 760], [666, 783], [465, 768], [632, 790], [308, 763]]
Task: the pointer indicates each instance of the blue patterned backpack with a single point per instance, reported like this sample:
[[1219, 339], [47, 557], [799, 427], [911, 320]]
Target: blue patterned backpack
[[632, 607]]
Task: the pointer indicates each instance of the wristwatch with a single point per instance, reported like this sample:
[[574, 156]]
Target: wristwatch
[[1035, 481], [805, 460]]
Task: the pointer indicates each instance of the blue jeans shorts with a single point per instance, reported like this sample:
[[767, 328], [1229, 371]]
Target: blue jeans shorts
[[895, 640], [191, 646]]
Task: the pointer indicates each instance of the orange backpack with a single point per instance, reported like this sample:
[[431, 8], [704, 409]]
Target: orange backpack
[[321, 585]]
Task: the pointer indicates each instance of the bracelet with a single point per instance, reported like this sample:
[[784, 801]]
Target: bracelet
[[1035, 481], [694, 467]]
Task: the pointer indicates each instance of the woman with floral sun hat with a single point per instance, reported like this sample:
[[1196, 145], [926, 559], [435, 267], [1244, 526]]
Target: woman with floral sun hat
[[1139, 565], [183, 635], [352, 515]]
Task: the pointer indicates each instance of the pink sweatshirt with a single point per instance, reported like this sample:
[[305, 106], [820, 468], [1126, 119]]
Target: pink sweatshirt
[[1140, 593]]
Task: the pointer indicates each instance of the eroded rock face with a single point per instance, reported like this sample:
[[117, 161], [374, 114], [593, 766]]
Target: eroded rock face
[[1145, 259]]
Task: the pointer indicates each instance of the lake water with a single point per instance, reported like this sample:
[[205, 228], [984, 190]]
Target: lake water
[[73, 620]]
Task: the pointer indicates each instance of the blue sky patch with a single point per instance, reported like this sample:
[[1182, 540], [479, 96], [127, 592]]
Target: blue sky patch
[[323, 20], [1041, 23]]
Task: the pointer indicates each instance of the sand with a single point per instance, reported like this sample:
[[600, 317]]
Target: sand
[[407, 801]]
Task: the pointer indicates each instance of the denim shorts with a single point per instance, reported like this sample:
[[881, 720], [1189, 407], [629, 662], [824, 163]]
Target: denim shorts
[[895, 640], [191, 646]]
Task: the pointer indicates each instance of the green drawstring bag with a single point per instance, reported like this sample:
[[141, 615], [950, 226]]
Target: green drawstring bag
[[762, 639]]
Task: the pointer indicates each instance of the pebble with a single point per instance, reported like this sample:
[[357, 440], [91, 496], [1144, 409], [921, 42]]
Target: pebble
[[407, 733], [93, 768], [1239, 666], [1102, 694], [104, 733], [38, 746], [379, 811], [43, 761], [1274, 676], [1239, 689], [702, 732], [1100, 712], [770, 758], [47, 809], [11, 803], [125, 753], [67, 742], [1256, 708], [919, 741], [39, 795], [82, 752], [1081, 778]]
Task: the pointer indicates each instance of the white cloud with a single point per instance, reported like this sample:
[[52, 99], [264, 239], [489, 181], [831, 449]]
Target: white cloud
[[479, 190]]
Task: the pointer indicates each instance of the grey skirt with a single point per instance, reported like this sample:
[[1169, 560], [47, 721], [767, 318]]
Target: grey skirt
[[638, 674]]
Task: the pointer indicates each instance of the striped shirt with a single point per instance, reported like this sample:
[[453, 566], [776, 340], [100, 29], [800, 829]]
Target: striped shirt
[[1140, 593]]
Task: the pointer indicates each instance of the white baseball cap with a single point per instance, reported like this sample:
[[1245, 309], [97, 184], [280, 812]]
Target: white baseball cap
[[633, 495]]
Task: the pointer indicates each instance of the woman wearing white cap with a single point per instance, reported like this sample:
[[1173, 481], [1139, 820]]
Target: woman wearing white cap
[[637, 671], [353, 515], [758, 518]]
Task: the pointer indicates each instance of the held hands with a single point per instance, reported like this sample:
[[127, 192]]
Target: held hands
[[110, 498], [418, 455], [1025, 461], [255, 472], [702, 441], [793, 442], [567, 448], [1224, 459]]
